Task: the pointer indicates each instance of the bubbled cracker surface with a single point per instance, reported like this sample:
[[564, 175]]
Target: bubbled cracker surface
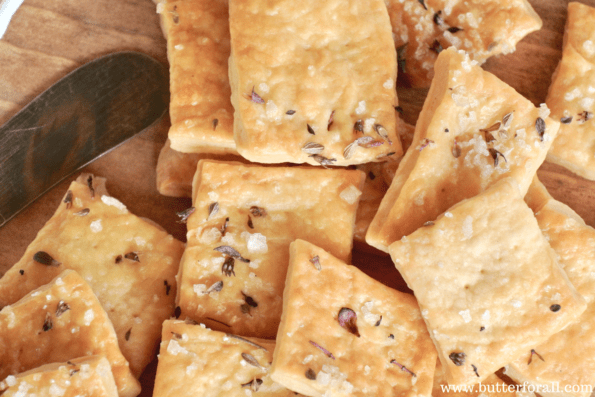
[[574, 243], [573, 92], [198, 49], [313, 57], [487, 28], [86, 376], [134, 294], [362, 366], [486, 264], [299, 203], [463, 100], [83, 330], [195, 361]]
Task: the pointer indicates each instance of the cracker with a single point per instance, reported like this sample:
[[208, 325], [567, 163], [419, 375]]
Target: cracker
[[492, 386], [268, 208], [483, 28], [85, 376], [571, 95], [175, 170], [565, 359], [487, 282], [58, 322], [388, 353], [195, 361], [198, 49], [451, 158], [306, 73], [130, 264]]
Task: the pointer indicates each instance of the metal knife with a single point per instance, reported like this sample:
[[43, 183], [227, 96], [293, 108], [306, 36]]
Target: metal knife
[[88, 112]]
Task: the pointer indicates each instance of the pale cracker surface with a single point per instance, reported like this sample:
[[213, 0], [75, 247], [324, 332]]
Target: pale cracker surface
[[567, 355], [195, 361], [34, 332], [392, 333], [137, 296], [84, 376], [175, 170], [450, 158], [314, 204], [483, 28], [571, 95], [198, 50], [317, 59], [486, 281]]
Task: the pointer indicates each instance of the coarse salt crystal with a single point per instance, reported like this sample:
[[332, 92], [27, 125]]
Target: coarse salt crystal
[[388, 84], [466, 315], [89, 316], [96, 226], [179, 47], [56, 390], [11, 381], [307, 359], [350, 194], [448, 214], [516, 303], [586, 103], [468, 227], [264, 88], [257, 243], [114, 202], [199, 289], [174, 348], [361, 107], [589, 47]]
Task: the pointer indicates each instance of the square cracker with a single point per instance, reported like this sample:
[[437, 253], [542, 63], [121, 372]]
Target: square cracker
[[57, 322], [483, 28], [571, 96], [566, 358], [307, 72], [195, 361], [451, 158], [84, 376], [267, 208], [387, 353], [198, 50], [487, 282], [175, 170], [137, 294]]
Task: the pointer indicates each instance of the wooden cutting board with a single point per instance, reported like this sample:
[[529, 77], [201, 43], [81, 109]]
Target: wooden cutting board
[[49, 38]]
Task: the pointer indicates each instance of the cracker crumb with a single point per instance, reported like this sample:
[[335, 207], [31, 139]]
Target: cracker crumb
[[96, 226], [350, 194]]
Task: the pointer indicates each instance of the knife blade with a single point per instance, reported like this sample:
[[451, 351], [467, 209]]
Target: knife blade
[[88, 112]]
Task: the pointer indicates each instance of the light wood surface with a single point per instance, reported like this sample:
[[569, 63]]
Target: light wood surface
[[49, 38]]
